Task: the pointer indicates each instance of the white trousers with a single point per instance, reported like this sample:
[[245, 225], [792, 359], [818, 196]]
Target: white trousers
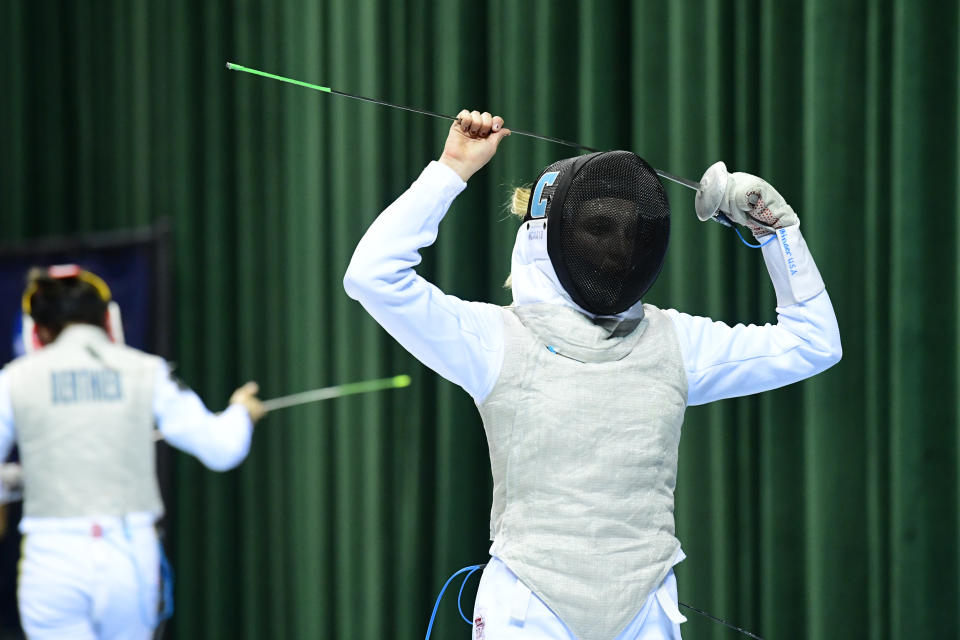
[[506, 609], [98, 584]]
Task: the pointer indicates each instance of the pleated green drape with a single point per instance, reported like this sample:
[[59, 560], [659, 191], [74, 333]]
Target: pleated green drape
[[826, 509]]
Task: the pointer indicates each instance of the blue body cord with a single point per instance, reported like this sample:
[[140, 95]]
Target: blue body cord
[[471, 569], [460, 595], [166, 578], [755, 246]]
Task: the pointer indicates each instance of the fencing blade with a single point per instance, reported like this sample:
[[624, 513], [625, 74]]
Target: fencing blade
[[328, 393], [338, 391], [690, 184]]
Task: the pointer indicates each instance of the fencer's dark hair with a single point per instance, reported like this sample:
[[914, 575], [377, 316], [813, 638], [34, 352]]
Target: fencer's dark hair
[[57, 302]]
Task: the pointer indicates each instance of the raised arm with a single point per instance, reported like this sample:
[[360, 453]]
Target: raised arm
[[462, 341], [723, 361], [220, 441]]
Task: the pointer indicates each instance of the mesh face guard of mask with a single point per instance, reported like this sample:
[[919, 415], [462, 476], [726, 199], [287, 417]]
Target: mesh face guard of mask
[[608, 224]]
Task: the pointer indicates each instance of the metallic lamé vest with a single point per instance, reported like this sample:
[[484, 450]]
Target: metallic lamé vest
[[83, 412], [583, 448]]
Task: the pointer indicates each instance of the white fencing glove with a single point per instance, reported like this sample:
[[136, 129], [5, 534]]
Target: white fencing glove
[[745, 199]]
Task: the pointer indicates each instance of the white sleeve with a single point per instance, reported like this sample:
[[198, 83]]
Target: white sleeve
[[462, 341], [8, 434], [219, 441], [725, 362]]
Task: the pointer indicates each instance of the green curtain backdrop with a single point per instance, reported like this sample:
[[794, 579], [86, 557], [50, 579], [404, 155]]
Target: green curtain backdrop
[[824, 510]]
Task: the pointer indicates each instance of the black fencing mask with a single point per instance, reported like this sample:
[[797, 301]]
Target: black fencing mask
[[608, 223]]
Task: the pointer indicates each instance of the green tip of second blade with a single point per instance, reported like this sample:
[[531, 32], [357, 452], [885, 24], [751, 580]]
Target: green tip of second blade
[[401, 381]]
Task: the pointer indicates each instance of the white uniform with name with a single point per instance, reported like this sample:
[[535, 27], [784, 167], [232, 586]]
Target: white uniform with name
[[496, 356], [82, 412]]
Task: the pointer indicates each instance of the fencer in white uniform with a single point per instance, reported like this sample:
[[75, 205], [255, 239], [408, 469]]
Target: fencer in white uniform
[[82, 411], [582, 395]]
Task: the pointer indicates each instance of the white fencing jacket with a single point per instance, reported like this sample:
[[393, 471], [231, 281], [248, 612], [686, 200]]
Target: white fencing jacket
[[86, 410], [465, 341]]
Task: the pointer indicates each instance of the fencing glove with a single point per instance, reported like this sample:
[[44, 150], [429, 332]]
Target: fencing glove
[[745, 199]]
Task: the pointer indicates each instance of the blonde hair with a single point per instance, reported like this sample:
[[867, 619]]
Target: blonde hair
[[519, 202]]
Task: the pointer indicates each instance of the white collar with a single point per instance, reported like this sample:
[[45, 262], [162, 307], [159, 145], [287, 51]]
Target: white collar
[[81, 332]]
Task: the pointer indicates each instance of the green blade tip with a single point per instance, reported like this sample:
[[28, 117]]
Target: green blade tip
[[401, 381]]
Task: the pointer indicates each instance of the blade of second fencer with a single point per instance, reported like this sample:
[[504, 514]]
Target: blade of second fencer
[[338, 391], [690, 184], [327, 393]]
